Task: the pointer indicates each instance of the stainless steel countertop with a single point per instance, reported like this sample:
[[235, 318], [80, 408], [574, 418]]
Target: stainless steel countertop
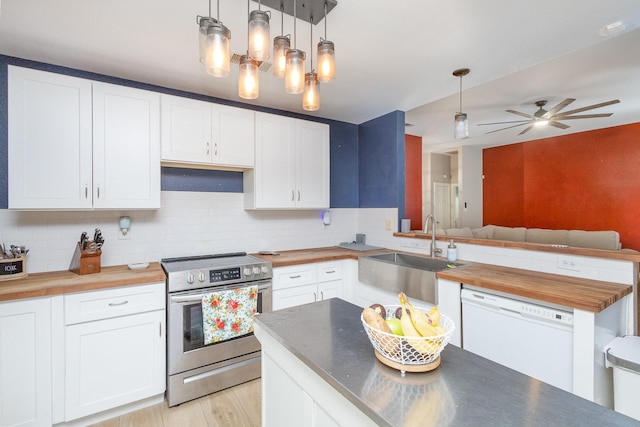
[[465, 390]]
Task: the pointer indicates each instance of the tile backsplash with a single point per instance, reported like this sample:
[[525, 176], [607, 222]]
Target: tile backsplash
[[189, 223]]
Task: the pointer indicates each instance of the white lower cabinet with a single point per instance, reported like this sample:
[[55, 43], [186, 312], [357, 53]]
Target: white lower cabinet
[[115, 354], [25, 363], [307, 283]]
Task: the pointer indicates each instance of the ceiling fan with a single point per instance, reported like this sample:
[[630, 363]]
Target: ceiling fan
[[551, 117]]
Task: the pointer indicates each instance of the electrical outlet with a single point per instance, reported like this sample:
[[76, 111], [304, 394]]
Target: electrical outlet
[[568, 263], [387, 225]]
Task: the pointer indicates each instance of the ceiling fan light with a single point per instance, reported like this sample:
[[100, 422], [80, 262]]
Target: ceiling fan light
[[203, 22], [248, 82], [281, 45], [217, 50], [541, 123], [326, 61], [259, 36], [311, 96], [461, 126], [294, 74]]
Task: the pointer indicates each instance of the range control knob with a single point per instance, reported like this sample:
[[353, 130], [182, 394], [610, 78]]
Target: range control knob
[[247, 271], [190, 278], [201, 276], [256, 270], [264, 269]]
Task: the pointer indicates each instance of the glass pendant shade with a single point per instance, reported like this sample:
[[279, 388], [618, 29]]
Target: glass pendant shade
[[248, 83], [217, 50], [311, 96], [259, 37], [461, 126], [294, 73], [326, 61], [281, 45], [204, 24]]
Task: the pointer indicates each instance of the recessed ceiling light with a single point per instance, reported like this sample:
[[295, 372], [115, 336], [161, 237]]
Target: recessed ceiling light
[[611, 29]]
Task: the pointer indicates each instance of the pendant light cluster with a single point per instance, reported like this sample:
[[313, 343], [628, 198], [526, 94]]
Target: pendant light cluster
[[288, 63], [461, 123]]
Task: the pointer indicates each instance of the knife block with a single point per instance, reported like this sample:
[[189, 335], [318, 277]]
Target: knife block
[[85, 262]]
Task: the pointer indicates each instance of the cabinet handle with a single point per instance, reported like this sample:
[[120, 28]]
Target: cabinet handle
[[315, 297], [115, 304], [292, 196], [160, 328], [321, 296], [215, 151], [208, 148], [98, 191], [86, 191], [298, 195], [297, 276], [330, 271]]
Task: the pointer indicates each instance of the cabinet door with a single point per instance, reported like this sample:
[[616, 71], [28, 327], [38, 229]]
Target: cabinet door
[[333, 289], [25, 363], [49, 140], [233, 141], [312, 165], [186, 130], [291, 297], [274, 171], [126, 147], [113, 362]]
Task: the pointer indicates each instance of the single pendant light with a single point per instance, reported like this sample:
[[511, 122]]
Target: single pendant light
[[203, 23], [326, 55], [248, 80], [461, 123], [259, 37], [217, 58], [281, 45], [311, 95], [294, 72]]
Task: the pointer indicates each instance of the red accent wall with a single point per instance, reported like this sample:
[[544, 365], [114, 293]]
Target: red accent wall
[[586, 181], [413, 180]]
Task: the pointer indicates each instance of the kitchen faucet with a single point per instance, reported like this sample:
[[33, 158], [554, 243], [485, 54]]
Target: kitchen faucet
[[433, 250]]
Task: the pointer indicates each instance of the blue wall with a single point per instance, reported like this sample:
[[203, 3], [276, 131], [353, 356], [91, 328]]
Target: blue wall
[[381, 163], [344, 143]]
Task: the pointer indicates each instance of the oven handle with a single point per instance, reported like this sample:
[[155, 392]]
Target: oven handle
[[198, 297]]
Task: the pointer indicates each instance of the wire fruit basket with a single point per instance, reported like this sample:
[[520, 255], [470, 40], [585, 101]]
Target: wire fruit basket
[[411, 354]]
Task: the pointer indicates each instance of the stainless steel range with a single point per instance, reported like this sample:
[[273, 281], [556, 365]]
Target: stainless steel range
[[193, 368]]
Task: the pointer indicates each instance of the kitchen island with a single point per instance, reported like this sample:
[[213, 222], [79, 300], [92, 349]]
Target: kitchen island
[[318, 366]]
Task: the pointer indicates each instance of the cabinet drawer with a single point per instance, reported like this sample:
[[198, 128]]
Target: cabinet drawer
[[288, 277], [94, 305], [329, 271]]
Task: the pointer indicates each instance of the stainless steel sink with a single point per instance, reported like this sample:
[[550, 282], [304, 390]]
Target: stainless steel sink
[[414, 275]]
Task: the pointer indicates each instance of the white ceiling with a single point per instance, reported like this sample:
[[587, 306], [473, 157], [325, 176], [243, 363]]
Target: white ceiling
[[391, 55]]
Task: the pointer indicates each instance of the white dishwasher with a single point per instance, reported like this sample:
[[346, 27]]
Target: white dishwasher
[[533, 339]]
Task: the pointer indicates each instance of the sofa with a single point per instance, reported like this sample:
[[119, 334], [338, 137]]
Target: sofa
[[609, 240]]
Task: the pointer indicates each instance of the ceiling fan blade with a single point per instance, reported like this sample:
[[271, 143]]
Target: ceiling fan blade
[[590, 107], [557, 124], [528, 116], [558, 107], [583, 116], [503, 123], [508, 127], [527, 129]]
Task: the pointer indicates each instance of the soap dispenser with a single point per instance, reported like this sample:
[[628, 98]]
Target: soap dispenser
[[452, 251]]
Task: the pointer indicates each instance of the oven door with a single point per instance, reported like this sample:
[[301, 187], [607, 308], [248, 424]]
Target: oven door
[[185, 345]]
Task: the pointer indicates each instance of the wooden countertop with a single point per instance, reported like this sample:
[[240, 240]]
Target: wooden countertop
[[574, 292], [62, 282], [583, 294]]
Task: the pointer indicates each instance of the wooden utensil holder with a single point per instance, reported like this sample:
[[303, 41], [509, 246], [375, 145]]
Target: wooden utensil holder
[[85, 262]]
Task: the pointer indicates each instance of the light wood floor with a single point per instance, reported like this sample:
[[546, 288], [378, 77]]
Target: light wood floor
[[237, 406]]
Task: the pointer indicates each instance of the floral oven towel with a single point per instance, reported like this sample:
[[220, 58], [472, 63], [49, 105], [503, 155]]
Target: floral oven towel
[[228, 314]]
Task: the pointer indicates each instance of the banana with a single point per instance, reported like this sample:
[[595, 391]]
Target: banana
[[420, 320], [434, 315], [406, 324]]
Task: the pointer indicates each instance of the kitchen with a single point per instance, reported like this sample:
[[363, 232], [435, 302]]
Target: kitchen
[[157, 234]]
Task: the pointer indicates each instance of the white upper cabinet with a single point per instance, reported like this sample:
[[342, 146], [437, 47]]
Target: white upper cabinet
[[76, 144], [205, 135], [292, 165]]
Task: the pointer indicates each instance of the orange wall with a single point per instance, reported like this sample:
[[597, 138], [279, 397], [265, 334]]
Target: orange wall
[[413, 180], [587, 181]]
